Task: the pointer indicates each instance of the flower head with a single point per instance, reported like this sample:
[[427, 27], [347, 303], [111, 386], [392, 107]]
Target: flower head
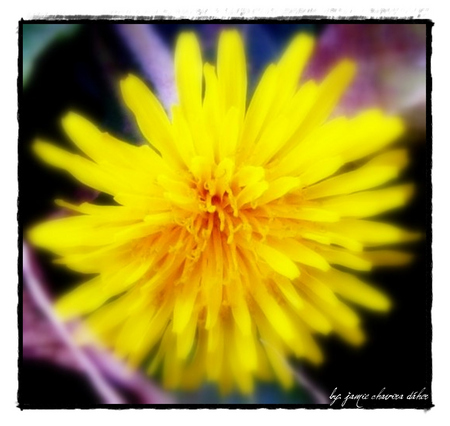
[[216, 258]]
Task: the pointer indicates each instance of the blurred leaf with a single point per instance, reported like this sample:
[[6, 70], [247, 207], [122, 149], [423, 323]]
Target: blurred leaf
[[36, 38]]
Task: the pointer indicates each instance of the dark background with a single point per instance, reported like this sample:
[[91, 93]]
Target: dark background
[[70, 75]]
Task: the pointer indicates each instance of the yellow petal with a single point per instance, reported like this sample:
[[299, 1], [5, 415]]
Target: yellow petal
[[186, 339], [275, 314], [128, 339], [370, 132], [343, 257], [372, 233], [251, 193], [232, 72], [370, 203], [279, 365], [296, 111], [300, 253], [140, 201], [376, 172], [312, 214], [215, 357], [271, 139], [106, 213], [330, 92], [182, 136], [72, 232], [249, 174], [212, 279], [319, 171], [278, 261], [310, 151], [150, 116], [92, 261], [387, 257], [245, 349], [314, 319], [239, 308], [102, 147], [211, 114], [290, 67], [258, 110], [154, 330], [85, 298], [278, 188], [184, 304], [229, 134], [289, 292], [189, 74], [82, 169], [355, 290]]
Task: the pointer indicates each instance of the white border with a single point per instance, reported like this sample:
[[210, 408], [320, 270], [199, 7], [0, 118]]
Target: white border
[[129, 8]]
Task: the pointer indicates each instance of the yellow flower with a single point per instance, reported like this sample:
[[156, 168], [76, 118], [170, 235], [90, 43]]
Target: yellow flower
[[216, 259]]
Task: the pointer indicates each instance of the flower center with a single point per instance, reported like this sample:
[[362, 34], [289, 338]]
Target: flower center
[[218, 201], [215, 200]]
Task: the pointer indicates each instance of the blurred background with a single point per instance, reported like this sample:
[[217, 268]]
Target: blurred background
[[69, 65]]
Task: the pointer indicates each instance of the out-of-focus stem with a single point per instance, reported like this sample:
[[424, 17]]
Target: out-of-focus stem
[[314, 391], [108, 395], [318, 396]]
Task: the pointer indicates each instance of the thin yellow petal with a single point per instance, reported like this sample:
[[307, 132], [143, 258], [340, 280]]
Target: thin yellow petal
[[314, 319], [85, 298], [372, 233], [355, 290], [150, 116], [387, 257], [186, 339], [72, 232], [370, 203], [258, 110], [376, 172], [106, 213], [189, 74], [184, 305], [274, 314], [278, 261], [182, 136], [370, 132], [232, 72], [330, 92], [300, 253], [343, 257], [289, 292], [102, 147], [278, 188], [82, 169], [291, 66], [319, 171], [308, 152], [246, 350]]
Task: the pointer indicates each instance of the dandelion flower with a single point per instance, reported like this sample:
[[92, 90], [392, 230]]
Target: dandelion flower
[[220, 254]]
